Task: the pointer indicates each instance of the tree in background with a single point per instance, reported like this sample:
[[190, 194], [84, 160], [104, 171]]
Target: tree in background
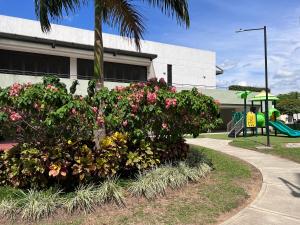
[[289, 103], [246, 88], [120, 14]]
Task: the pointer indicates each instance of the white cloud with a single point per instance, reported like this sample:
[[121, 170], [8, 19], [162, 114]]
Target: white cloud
[[283, 60]]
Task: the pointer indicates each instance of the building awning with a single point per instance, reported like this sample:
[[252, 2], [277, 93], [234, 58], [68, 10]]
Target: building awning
[[54, 43], [262, 97], [219, 71]]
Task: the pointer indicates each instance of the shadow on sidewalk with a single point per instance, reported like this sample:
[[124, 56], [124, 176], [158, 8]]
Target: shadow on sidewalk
[[295, 190]]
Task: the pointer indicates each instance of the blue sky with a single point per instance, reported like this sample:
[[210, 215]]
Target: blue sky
[[213, 23]]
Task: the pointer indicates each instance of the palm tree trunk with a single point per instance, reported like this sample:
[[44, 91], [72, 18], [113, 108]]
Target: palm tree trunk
[[100, 133], [98, 45]]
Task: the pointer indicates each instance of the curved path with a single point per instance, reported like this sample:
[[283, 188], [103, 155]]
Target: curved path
[[279, 199]]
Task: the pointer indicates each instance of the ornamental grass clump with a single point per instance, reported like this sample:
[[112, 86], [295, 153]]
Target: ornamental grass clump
[[34, 205], [84, 198], [9, 209], [155, 182], [148, 185], [172, 176], [110, 191]]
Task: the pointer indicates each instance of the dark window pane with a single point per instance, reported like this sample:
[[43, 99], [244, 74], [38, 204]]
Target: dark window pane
[[117, 72], [170, 75], [34, 64], [85, 69]]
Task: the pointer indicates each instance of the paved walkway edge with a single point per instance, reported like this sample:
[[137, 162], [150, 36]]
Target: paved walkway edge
[[278, 202]]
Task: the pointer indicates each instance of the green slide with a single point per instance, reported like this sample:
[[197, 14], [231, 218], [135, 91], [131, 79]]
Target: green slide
[[284, 129]]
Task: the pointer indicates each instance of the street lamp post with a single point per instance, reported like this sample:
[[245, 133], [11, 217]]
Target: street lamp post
[[266, 79]]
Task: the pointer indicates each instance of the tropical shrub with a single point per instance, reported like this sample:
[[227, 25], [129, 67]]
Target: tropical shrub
[[155, 118], [144, 123], [45, 114]]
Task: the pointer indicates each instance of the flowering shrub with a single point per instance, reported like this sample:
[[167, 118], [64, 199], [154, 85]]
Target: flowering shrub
[[45, 114], [145, 124], [157, 115]]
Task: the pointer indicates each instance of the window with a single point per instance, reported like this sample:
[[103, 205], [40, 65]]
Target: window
[[14, 62], [169, 74], [117, 72]]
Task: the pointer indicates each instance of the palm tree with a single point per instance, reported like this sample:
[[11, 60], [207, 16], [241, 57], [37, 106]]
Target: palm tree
[[120, 14]]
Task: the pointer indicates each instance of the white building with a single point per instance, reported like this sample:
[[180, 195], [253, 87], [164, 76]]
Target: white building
[[26, 53]]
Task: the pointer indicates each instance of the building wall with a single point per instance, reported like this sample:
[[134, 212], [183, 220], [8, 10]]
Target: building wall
[[8, 79], [190, 66]]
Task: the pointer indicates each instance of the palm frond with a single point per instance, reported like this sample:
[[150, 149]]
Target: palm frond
[[173, 8], [48, 10], [123, 15]]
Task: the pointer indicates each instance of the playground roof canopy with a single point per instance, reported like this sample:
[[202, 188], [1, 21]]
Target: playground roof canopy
[[262, 97]]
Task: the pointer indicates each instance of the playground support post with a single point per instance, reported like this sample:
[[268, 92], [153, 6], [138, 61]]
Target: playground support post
[[266, 79], [267, 87]]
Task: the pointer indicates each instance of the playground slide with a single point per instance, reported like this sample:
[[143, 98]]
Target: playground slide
[[284, 129]]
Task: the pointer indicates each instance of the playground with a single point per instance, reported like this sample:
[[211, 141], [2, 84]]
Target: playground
[[247, 130], [249, 122]]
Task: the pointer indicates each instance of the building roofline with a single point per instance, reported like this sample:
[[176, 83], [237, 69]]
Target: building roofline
[[65, 44]]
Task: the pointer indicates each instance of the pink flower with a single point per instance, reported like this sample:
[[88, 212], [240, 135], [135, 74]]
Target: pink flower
[[134, 108], [171, 102], [51, 87], [19, 129], [100, 121], [119, 88], [217, 102], [164, 126], [173, 89], [73, 111], [156, 88], [162, 81], [151, 97], [81, 97], [141, 84], [125, 123], [36, 106], [95, 109], [15, 89], [15, 116]]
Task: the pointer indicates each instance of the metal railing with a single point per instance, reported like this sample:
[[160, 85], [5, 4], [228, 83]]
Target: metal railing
[[32, 73], [237, 127]]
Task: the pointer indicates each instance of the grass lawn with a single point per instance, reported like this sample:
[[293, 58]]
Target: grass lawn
[[229, 186], [278, 143]]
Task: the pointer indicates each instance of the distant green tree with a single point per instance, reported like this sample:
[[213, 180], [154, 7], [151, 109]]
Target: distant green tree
[[289, 103], [246, 88], [291, 95]]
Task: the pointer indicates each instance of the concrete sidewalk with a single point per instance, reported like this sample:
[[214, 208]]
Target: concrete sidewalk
[[279, 199]]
